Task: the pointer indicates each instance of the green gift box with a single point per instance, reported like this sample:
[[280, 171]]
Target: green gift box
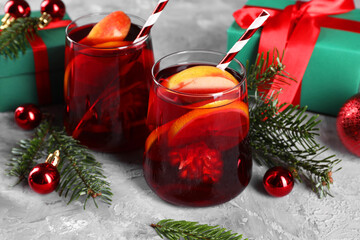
[[22, 80], [333, 72]]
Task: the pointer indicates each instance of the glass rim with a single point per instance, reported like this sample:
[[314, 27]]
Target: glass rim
[[216, 94], [99, 48]]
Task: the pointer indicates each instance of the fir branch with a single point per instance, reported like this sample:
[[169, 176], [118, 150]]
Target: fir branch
[[28, 151], [266, 70], [287, 137], [80, 173], [14, 38], [83, 174], [175, 230]]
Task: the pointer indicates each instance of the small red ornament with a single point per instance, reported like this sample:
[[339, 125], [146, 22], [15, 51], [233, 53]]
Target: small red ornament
[[56, 9], [348, 124], [28, 116], [278, 181], [44, 177], [17, 8]]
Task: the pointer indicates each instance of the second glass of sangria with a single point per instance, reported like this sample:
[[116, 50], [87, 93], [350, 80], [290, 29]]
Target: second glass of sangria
[[107, 79], [198, 151]]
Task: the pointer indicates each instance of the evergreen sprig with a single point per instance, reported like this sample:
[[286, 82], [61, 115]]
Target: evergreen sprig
[[80, 173], [175, 230], [14, 38], [28, 152], [285, 134], [266, 70]]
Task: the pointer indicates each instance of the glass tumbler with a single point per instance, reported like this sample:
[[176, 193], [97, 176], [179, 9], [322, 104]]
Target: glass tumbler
[[107, 88], [198, 151]]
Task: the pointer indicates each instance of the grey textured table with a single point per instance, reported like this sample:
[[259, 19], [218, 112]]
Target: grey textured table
[[185, 24]]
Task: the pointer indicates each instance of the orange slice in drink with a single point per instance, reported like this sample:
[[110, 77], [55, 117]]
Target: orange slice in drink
[[156, 134], [222, 123], [201, 79], [221, 127]]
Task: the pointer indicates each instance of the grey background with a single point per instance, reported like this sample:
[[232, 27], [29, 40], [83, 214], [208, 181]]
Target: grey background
[[185, 24]]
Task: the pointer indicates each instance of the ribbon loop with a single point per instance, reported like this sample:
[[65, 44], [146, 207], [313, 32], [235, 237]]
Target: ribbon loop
[[328, 7]]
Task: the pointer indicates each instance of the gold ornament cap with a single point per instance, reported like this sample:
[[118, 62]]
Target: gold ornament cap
[[6, 21], [53, 158], [44, 20]]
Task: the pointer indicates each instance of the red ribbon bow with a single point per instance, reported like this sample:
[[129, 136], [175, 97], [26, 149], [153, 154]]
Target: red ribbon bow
[[295, 30]]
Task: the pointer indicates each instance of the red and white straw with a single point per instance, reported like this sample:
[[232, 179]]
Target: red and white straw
[[151, 20], [255, 25]]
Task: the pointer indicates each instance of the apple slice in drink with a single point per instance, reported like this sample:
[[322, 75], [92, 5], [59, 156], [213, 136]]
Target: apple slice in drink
[[113, 28], [201, 79]]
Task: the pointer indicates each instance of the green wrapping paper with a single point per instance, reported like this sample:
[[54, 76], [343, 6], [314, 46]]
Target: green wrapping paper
[[18, 78], [333, 73]]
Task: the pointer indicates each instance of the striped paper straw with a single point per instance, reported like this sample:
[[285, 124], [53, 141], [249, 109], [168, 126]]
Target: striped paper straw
[[151, 20], [255, 25]]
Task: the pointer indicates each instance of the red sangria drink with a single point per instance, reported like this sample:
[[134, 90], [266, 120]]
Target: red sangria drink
[[198, 151], [107, 81]]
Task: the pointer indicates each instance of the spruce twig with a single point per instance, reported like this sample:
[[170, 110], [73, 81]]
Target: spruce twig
[[14, 38], [266, 70], [176, 230], [28, 152], [286, 137], [80, 173], [83, 174]]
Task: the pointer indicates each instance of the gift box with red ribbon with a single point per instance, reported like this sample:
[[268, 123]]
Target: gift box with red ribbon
[[321, 44], [36, 76]]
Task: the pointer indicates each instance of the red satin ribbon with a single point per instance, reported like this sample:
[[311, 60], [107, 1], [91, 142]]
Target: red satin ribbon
[[295, 30], [41, 62]]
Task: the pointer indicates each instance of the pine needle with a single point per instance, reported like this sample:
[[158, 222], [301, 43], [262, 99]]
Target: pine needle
[[176, 230]]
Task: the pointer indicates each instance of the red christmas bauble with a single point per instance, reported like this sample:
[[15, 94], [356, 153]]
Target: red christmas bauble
[[28, 116], [278, 181], [44, 178], [348, 124], [56, 9], [17, 8]]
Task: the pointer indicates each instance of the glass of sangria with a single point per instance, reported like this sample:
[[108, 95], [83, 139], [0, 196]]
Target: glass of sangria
[[106, 87], [198, 151]]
